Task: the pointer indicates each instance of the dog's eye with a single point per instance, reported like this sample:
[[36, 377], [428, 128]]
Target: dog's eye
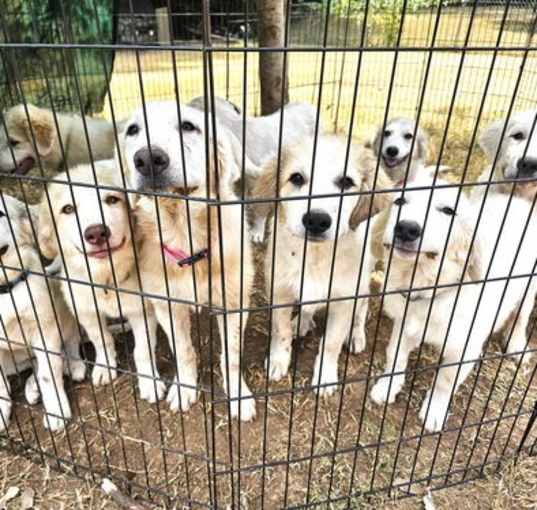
[[387, 133], [519, 135], [13, 142], [187, 126], [112, 199], [408, 136], [297, 179], [400, 201], [133, 129], [448, 210], [345, 183], [68, 209]]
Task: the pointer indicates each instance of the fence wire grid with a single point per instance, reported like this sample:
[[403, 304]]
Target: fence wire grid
[[325, 307]]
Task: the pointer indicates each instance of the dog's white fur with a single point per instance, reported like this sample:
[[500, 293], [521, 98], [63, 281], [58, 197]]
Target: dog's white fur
[[114, 266], [223, 107], [32, 315], [228, 266], [19, 154], [400, 135], [461, 343], [263, 133], [515, 144], [345, 212]]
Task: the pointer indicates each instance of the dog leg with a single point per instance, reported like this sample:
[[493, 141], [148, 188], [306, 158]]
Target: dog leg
[[234, 383], [282, 337], [183, 391], [434, 409], [104, 371], [5, 399], [74, 366], [387, 387], [145, 339], [50, 382], [518, 339], [307, 323], [326, 365], [357, 340]]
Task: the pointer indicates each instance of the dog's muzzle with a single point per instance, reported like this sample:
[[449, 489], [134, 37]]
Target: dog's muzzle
[[151, 164]]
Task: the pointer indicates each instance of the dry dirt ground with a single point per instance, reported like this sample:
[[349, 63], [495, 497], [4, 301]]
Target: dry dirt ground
[[315, 449]]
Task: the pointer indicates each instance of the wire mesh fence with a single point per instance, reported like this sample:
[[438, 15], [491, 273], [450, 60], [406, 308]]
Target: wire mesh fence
[[328, 305]]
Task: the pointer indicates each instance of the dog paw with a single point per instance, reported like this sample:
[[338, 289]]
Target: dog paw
[[103, 375], [31, 391], [77, 369], [247, 408], [5, 413], [278, 365], [55, 423], [326, 384], [383, 392], [307, 324], [181, 398], [433, 415], [151, 390]]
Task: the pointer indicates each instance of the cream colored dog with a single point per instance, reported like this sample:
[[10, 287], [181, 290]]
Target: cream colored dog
[[435, 247], [22, 126], [184, 258], [36, 322], [328, 224], [97, 247]]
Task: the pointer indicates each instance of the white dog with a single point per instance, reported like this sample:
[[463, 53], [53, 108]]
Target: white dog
[[263, 133], [393, 145], [515, 154], [323, 222], [33, 312], [97, 246], [458, 327], [182, 258], [22, 126]]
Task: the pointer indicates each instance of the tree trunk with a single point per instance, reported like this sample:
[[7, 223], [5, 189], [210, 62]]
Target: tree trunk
[[271, 16]]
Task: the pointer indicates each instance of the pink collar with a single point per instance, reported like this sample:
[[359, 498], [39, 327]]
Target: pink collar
[[181, 258]]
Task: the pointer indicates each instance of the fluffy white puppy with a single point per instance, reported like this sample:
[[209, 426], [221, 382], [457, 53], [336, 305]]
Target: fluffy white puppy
[[21, 126], [515, 154], [186, 257], [329, 226], [97, 246], [457, 327], [33, 312], [263, 133]]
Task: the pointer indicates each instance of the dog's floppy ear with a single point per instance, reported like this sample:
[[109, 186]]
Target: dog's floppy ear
[[26, 217], [48, 244], [250, 168], [376, 143], [474, 268], [370, 204], [422, 144], [42, 127], [490, 139]]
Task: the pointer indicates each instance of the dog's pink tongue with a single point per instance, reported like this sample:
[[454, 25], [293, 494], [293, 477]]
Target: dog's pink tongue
[[25, 165], [174, 254]]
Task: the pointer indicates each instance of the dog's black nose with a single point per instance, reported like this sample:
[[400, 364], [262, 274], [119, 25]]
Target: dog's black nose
[[151, 162], [97, 234], [316, 222], [407, 231], [392, 151], [526, 167]]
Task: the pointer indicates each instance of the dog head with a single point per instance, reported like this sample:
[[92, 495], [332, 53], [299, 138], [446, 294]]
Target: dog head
[[422, 221], [16, 221], [223, 107], [18, 153], [325, 216], [393, 145], [154, 157], [516, 153], [90, 221]]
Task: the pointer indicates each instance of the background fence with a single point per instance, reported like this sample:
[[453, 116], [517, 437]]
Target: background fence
[[455, 66]]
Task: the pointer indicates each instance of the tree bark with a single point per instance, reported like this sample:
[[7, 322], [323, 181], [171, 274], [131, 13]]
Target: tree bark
[[271, 23]]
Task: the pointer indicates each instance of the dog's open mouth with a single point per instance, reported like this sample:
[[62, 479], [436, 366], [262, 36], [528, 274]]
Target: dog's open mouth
[[393, 162], [105, 252], [3, 250], [24, 166], [410, 250]]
